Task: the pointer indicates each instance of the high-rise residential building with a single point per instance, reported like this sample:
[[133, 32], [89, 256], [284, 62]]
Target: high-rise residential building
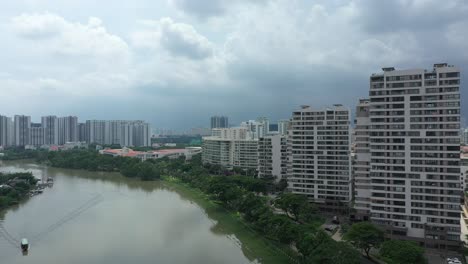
[[6, 131], [219, 122], [51, 130], [231, 147], [141, 134], [464, 137], [82, 132], [361, 162], [96, 131], [36, 135], [67, 129], [414, 146], [283, 125], [118, 132], [257, 128], [22, 125], [272, 157], [319, 164]]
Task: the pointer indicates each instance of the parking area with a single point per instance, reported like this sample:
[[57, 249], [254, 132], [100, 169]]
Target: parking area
[[438, 257]]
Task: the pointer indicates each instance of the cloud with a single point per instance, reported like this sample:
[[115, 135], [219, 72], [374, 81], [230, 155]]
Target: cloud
[[55, 34], [240, 58], [425, 15], [203, 9], [179, 39]]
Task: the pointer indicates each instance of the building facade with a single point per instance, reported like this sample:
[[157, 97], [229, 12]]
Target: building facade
[[67, 129], [361, 162], [464, 136], [6, 131], [22, 126], [82, 132], [219, 122], [415, 154], [118, 132], [272, 157], [231, 147], [51, 130], [36, 135], [319, 163]]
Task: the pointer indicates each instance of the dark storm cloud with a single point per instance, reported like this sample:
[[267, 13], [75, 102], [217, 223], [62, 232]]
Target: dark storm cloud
[[251, 60]]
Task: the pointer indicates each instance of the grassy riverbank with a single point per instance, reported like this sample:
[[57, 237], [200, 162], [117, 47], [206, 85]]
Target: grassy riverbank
[[253, 245]]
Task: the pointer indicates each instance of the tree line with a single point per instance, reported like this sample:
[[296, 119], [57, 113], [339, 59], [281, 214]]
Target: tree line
[[12, 192]]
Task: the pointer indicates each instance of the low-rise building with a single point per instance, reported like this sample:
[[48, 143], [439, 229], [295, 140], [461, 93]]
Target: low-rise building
[[154, 154]]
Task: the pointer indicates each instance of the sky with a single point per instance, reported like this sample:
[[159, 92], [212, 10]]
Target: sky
[[174, 63]]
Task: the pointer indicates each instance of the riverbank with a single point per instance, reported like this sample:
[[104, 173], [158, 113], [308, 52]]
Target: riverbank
[[252, 243]]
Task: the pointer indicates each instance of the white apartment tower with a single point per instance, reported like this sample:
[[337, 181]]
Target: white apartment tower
[[51, 130], [231, 147], [272, 157], [319, 161], [361, 165], [22, 125], [415, 154]]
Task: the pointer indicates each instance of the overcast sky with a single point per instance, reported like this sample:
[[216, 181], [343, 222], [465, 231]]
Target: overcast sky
[[176, 62]]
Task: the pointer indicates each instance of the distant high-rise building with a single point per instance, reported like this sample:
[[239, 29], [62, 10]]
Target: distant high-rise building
[[118, 132], [283, 125], [96, 131], [414, 145], [82, 132], [51, 130], [36, 135], [22, 125], [67, 129], [464, 137], [6, 131], [257, 128], [319, 160], [219, 122]]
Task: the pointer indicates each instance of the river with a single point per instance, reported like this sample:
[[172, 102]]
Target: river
[[98, 217]]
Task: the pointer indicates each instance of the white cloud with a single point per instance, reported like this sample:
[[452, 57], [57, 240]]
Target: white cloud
[[179, 39], [55, 34]]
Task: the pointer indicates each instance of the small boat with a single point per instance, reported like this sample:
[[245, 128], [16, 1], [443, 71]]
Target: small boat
[[24, 244]]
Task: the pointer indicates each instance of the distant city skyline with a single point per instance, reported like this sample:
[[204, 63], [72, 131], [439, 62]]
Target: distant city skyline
[[175, 63]]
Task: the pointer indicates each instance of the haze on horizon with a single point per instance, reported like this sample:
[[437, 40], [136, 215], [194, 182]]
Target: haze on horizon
[[174, 63]]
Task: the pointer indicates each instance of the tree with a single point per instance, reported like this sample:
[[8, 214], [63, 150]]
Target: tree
[[397, 251], [364, 236], [296, 205]]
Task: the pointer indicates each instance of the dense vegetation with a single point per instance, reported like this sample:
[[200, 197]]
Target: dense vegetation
[[93, 161], [365, 236], [18, 153], [13, 191], [397, 251]]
